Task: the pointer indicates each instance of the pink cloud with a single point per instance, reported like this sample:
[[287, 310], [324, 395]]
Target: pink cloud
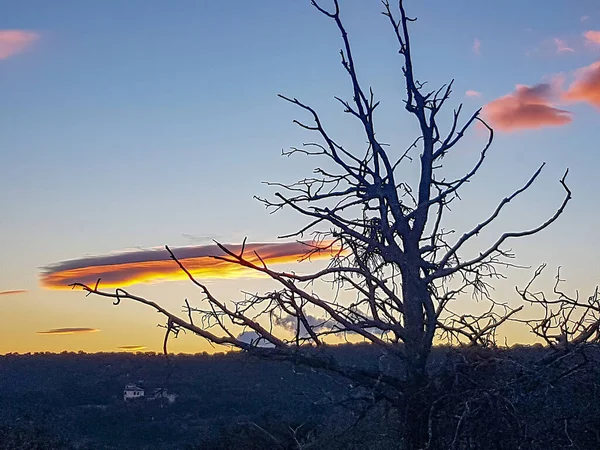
[[477, 46], [592, 37], [526, 108], [561, 46], [15, 41], [471, 93], [586, 87]]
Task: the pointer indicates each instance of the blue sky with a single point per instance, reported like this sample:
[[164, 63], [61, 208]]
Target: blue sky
[[139, 123]]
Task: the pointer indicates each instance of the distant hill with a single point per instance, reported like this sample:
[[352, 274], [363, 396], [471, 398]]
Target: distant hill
[[75, 400]]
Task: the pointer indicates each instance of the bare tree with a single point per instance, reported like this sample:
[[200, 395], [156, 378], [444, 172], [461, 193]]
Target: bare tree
[[569, 321], [388, 245]]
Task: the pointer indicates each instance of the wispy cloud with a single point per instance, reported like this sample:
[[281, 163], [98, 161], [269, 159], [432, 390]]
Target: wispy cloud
[[253, 338], [76, 330], [561, 46], [584, 18], [132, 348], [527, 108], [586, 87], [477, 46], [592, 37], [14, 292], [471, 93], [15, 41], [291, 323], [155, 265]]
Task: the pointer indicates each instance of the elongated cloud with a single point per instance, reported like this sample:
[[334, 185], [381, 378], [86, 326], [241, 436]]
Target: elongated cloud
[[562, 47], [155, 265], [131, 348], [15, 41], [77, 330], [586, 87], [592, 37], [526, 108], [471, 93], [14, 292]]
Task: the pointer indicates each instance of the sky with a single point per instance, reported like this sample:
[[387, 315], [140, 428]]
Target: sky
[[125, 126]]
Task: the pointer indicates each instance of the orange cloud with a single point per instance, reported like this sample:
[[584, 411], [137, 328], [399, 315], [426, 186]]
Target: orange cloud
[[471, 93], [155, 265], [592, 37], [15, 41], [586, 87], [561, 46], [14, 292], [77, 330], [132, 348], [526, 108]]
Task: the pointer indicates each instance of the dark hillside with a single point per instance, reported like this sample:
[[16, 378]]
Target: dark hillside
[[73, 400]]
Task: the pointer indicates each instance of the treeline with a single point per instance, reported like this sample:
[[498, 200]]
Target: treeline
[[526, 397]]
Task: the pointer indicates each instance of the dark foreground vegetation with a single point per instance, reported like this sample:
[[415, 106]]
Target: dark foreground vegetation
[[482, 399]]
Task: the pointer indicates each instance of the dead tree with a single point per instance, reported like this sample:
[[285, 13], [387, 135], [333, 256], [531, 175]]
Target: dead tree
[[569, 321], [388, 245]]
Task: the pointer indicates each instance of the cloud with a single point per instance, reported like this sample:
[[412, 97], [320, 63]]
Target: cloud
[[592, 37], [14, 292], [132, 348], [477, 46], [526, 108], [15, 41], [253, 338], [585, 18], [471, 93], [290, 323], [586, 87], [155, 265], [561, 46], [76, 330]]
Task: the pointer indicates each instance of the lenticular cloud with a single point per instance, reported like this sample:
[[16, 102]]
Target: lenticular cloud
[[74, 330], [155, 265]]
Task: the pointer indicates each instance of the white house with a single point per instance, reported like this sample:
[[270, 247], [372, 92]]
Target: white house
[[132, 392]]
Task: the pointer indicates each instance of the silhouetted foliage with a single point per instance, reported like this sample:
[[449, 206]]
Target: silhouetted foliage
[[482, 399]]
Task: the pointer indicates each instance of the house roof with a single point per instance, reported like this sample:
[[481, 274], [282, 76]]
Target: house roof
[[133, 387]]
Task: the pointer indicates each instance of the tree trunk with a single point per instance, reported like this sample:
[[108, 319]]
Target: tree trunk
[[415, 410], [417, 347]]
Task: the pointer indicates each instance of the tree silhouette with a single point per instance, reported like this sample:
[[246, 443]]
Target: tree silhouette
[[387, 242]]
